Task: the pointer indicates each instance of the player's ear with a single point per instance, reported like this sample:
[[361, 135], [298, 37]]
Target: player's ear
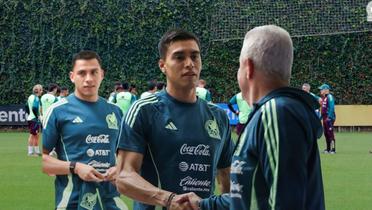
[[249, 67], [162, 67], [72, 77]]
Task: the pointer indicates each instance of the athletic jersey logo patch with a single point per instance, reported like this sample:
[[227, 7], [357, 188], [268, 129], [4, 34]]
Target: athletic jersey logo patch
[[212, 128], [171, 126], [88, 201], [77, 120], [112, 122]]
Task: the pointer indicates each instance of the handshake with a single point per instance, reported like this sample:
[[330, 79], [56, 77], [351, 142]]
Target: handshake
[[187, 201]]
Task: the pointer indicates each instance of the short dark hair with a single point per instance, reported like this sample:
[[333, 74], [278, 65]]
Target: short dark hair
[[86, 55], [160, 85], [125, 85], [52, 86], [151, 85], [174, 35], [64, 88]]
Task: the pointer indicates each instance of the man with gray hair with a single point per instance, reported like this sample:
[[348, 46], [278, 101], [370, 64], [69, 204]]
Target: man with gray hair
[[33, 120], [276, 163]]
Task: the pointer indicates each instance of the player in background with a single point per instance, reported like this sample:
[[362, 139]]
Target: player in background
[[64, 93], [83, 128], [49, 98], [33, 120], [133, 91], [187, 139], [117, 86], [306, 87], [328, 118], [202, 92], [160, 86], [124, 99], [151, 89], [243, 111]]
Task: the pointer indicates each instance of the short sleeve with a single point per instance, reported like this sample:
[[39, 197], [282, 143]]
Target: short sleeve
[[50, 131], [233, 100], [132, 134], [227, 151]]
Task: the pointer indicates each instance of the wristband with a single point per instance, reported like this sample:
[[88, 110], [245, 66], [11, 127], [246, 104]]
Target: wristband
[[72, 167], [169, 201]]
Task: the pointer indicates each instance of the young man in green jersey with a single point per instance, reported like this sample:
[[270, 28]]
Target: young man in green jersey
[[185, 139], [83, 128]]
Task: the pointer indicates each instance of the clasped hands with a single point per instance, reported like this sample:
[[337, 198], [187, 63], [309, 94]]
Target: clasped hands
[[187, 201], [88, 173]]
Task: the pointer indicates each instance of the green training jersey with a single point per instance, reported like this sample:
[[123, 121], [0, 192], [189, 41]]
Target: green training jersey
[[33, 103], [47, 100], [124, 100], [244, 108], [203, 94]]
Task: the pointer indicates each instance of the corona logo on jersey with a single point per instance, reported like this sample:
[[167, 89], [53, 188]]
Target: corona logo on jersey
[[112, 122], [212, 128]]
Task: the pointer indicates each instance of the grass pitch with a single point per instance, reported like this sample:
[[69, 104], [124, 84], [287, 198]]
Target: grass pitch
[[347, 175]]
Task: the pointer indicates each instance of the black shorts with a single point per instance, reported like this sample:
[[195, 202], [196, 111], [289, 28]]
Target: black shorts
[[33, 127]]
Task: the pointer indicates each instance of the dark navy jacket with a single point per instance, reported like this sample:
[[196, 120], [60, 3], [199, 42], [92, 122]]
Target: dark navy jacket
[[276, 163]]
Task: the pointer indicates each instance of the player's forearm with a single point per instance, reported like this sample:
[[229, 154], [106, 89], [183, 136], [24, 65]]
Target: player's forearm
[[53, 166], [134, 186]]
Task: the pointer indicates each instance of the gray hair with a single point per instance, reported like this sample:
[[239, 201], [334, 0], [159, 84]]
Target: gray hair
[[271, 50], [306, 85], [37, 88]]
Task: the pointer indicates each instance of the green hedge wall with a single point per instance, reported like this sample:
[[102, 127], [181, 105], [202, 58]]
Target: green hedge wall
[[39, 37]]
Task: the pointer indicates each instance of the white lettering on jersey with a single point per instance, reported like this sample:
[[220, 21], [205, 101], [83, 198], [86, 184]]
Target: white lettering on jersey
[[183, 166], [199, 150], [100, 139]]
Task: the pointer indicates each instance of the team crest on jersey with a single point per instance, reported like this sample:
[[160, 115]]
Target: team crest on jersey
[[88, 201], [212, 128], [112, 122]]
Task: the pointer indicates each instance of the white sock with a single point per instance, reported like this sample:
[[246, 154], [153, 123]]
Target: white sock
[[29, 149], [36, 148]]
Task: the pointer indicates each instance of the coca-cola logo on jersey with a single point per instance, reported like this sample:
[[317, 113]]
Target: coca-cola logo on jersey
[[100, 139], [199, 150]]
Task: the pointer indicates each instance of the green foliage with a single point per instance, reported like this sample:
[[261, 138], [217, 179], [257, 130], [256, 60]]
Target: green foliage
[[38, 39]]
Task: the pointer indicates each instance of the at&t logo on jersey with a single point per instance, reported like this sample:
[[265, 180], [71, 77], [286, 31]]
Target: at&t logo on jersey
[[199, 150], [183, 166], [100, 139], [98, 152]]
